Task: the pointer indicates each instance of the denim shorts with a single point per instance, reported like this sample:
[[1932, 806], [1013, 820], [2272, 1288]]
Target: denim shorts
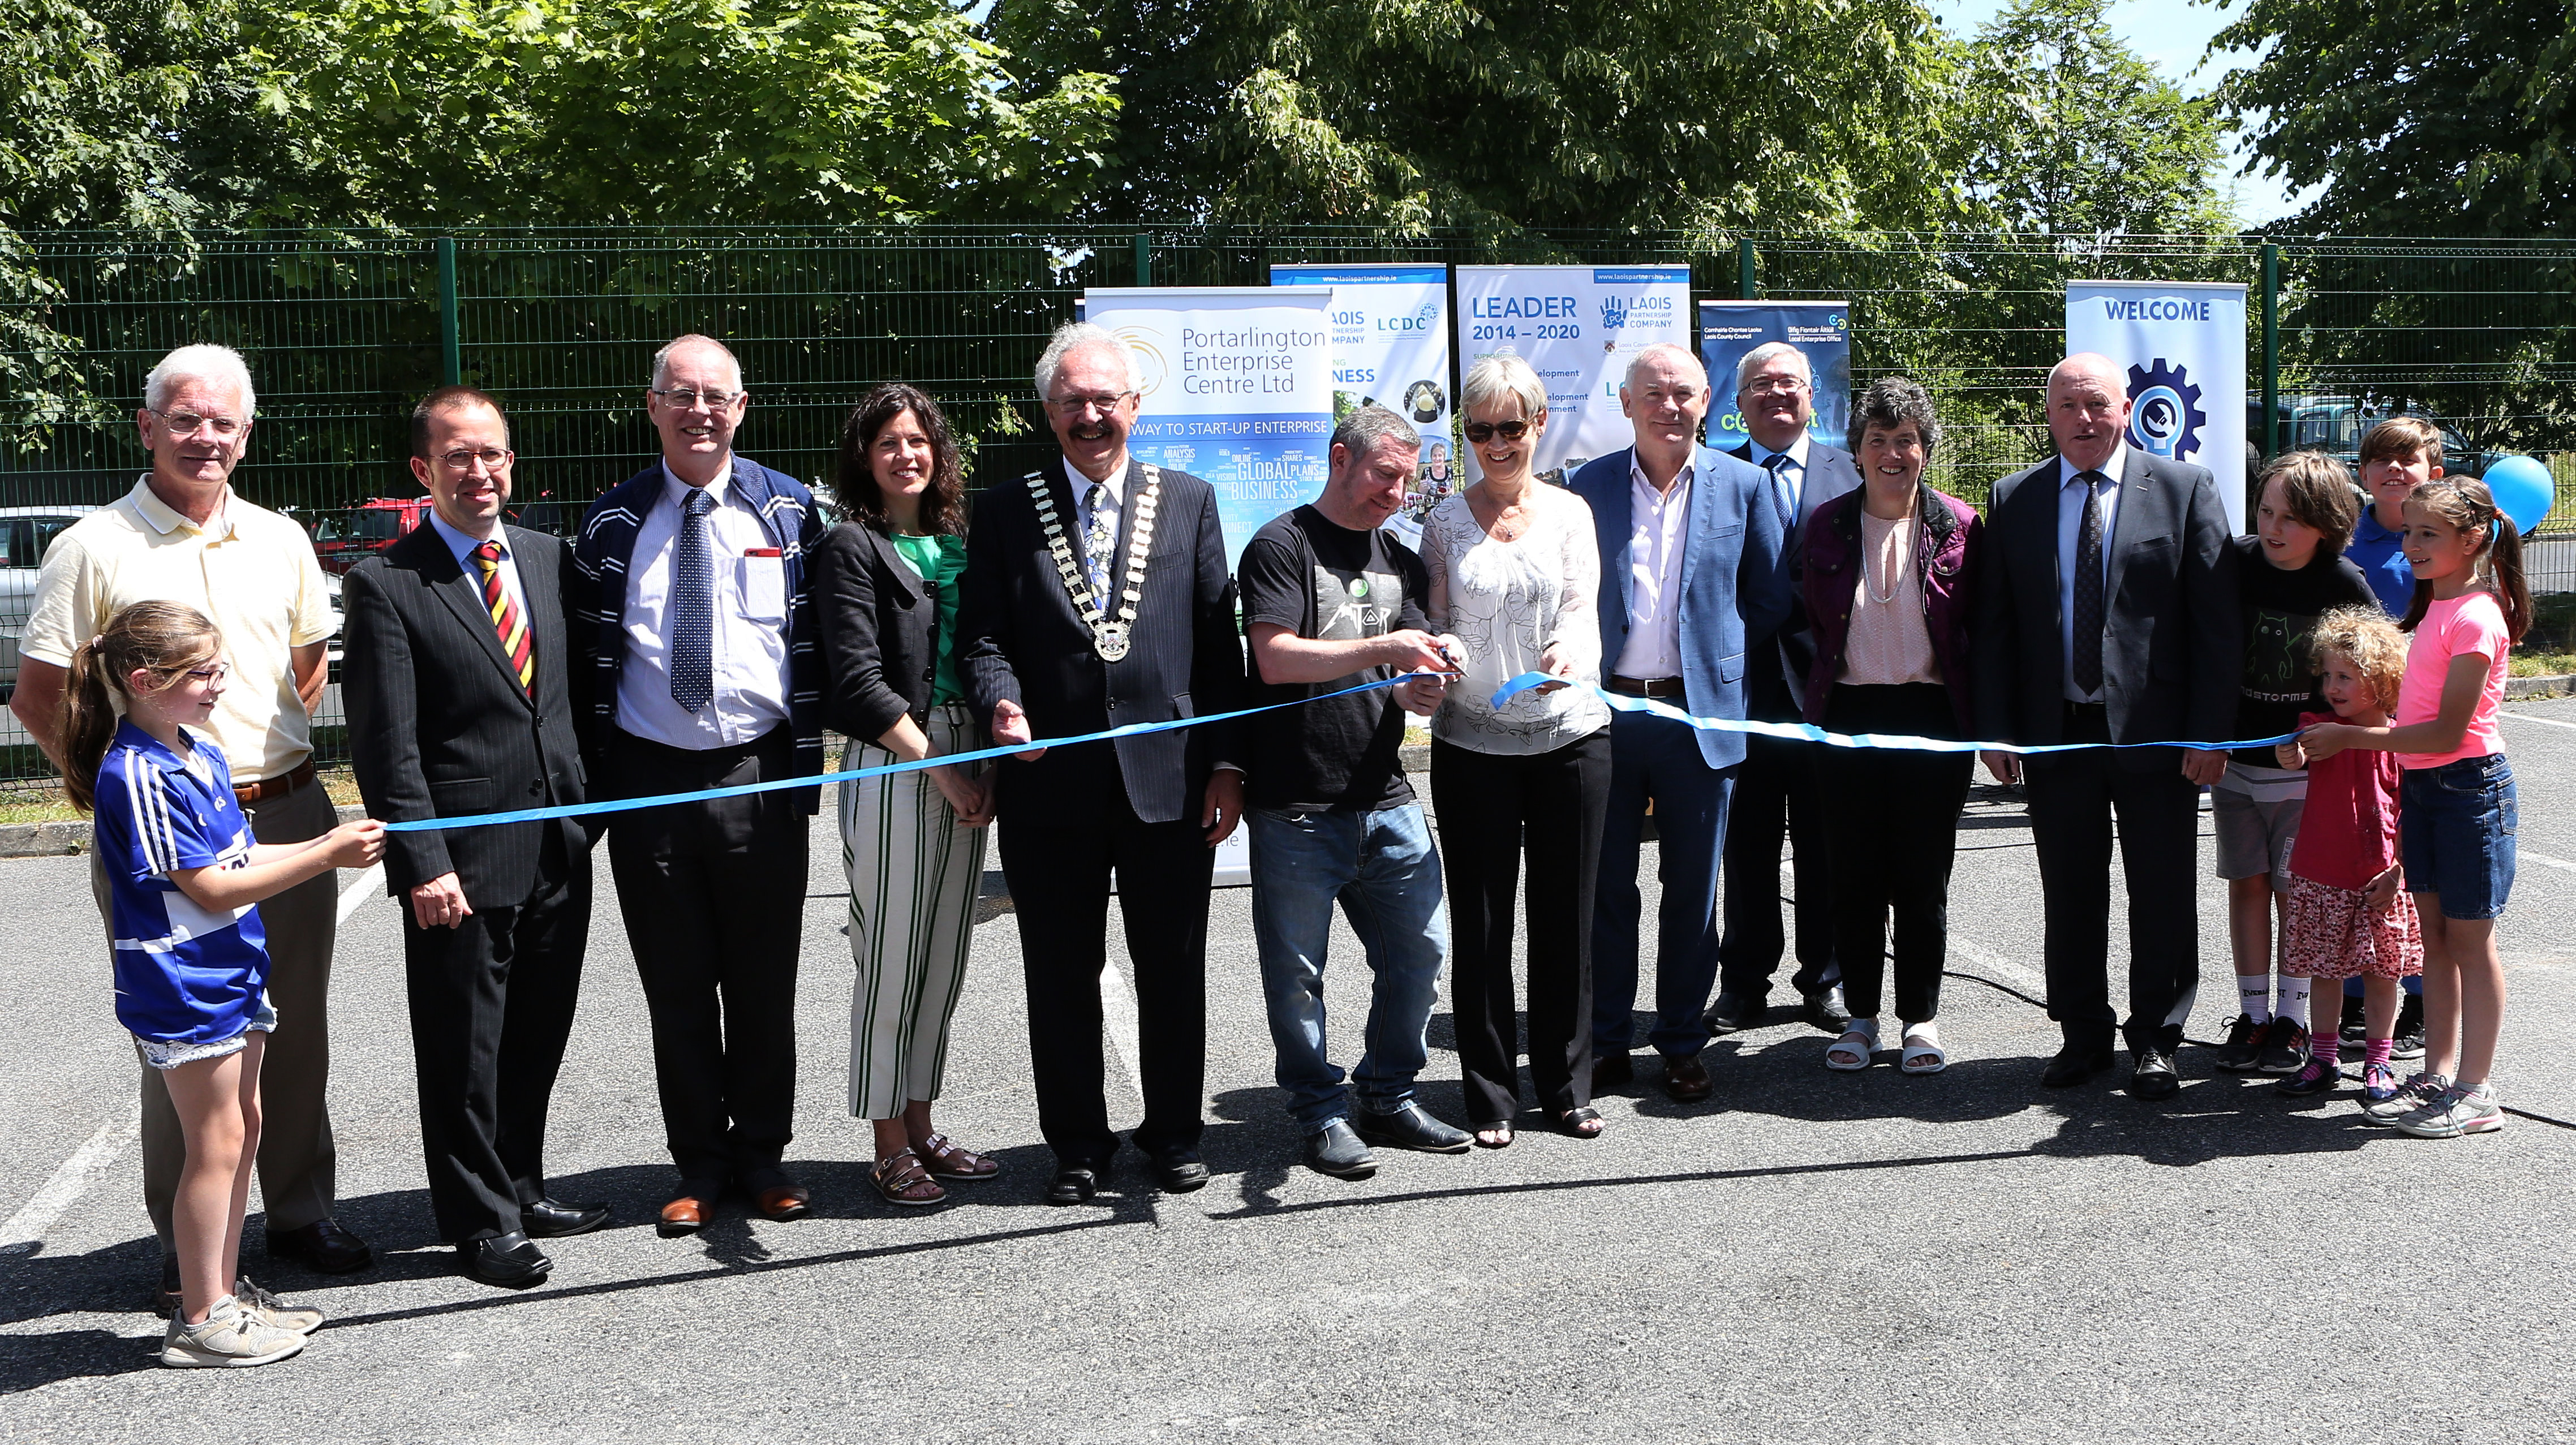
[[2458, 825]]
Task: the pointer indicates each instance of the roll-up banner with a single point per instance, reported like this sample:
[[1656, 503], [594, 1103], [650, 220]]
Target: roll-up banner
[[1390, 328], [1238, 389], [1577, 326], [2182, 345], [1729, 330]]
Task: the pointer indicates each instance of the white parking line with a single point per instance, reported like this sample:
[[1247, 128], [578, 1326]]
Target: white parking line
[[26, 1228], [2556, 722], [366, 885], [2543, 859], [1118, 1014]]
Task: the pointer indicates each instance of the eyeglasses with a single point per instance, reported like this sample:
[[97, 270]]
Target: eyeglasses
[[687, 398], [1481, 432], [1074, 405], [461, 460], [211, 673], [1776, 386], [188, 423]]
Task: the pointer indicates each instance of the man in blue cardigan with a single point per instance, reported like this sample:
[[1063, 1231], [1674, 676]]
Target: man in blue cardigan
[[1690, 582], [700, 670]]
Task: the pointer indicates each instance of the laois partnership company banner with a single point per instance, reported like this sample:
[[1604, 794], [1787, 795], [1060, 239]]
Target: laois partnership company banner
[[1390, 328], [1238, 389], [2182, 345], [1730, 330], [1577, 327]]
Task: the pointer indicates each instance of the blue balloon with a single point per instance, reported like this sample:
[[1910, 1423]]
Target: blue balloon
[[2523, 490]]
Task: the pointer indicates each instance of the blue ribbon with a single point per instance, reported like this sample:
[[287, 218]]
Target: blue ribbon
[[1809, 732]]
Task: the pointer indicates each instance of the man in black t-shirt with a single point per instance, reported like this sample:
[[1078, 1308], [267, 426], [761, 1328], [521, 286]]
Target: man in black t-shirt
[[1332, 602]]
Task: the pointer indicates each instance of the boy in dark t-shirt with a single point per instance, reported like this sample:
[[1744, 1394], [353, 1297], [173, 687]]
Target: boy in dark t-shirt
[[1331, 602]]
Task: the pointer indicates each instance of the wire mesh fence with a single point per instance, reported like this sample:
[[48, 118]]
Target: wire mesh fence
[[344, 331]]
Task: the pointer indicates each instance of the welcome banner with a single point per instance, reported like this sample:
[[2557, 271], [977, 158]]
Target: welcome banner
[[1730, 330], [1577, 327], [1238, 389], [2182, 345]]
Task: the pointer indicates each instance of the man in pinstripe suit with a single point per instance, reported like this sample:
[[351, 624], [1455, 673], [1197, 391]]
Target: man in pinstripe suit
[[458, 704]]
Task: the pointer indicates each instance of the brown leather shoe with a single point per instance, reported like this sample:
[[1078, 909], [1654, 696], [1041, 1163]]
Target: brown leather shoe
[[785, 1201], [684, 1215], [1686, 1081]]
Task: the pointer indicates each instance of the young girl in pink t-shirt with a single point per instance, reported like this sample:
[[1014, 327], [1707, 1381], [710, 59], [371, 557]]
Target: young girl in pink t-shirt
[[2457, 802]]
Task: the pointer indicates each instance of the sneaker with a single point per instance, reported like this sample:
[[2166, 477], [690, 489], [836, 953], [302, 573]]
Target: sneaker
[[228, 1337], [302, 1319], [2316, 1076], [2459, 1111], [2352, 1029], [2410, 1096], [2378, 1084], [2244, 1044], [2285, 1048], [2409, 1043]]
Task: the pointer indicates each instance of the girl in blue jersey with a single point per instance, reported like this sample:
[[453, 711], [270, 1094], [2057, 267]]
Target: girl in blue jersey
[[191, 964]]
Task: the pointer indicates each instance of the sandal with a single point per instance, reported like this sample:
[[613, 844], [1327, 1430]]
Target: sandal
[[1851, 1053], [945, 1158], [901, 1179], [1579, 1122], [1923, 1052], [1494, 1136]]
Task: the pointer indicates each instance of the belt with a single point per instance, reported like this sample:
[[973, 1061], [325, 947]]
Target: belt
[[277, 787], [1645, 686]]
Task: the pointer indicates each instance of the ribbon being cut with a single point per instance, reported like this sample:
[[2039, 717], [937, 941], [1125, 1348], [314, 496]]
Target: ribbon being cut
[[1809, 732]]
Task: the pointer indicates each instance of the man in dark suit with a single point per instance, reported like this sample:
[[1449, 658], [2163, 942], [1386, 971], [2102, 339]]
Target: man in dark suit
[[1690, 579], [2107, 613], [700, 669], [456, 686], [1775, 791], [1096, 595]]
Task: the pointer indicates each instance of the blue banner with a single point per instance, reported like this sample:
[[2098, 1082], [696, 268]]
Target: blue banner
[[1821, 329]]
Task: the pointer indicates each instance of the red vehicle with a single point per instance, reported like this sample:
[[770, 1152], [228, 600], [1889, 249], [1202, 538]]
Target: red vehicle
[[341, 540]]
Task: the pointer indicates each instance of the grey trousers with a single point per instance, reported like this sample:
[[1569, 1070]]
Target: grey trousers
[[298, 1165]]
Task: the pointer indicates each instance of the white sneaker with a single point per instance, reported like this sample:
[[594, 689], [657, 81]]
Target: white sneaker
[[228, 1337], [2459, 1111], [275, 1312], [2418, 1091]]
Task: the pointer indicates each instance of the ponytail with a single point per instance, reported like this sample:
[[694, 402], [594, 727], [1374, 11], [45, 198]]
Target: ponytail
[[163, 639], [2467, 505]]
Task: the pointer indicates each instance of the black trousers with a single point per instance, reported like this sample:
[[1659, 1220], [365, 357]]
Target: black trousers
[[491, 1008], [1059, 869], [2074, 800], [1496, 809], [713, 895], [1891, 832], [1775, 794]]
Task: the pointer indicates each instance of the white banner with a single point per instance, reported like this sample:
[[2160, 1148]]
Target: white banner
[[2182, 344], [1238, 390], [1391, 346], [1577, 326]]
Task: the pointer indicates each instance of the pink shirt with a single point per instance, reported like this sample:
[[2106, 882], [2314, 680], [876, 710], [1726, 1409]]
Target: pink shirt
[[1889, 641], [2469, 623]]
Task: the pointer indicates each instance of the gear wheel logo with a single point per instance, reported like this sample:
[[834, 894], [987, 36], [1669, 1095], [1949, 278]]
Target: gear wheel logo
[[2164, 410]]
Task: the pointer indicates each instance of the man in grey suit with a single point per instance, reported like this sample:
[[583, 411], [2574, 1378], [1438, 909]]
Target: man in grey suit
[[1775, 390], [459, 705], [2107, 613]]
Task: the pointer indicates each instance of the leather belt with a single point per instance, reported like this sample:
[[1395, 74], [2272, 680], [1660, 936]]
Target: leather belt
[[276, 787], [1645, 686]]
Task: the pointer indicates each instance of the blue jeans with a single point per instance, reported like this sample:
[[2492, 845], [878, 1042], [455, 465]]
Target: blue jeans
[[2459, 835], [1383, 869]]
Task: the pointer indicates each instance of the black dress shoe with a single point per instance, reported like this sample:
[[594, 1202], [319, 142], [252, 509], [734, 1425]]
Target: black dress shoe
[[1073, 1184], [321, 1245], [2074, 1064], [1178, 1171], [1613, 1069], [1824, 1008], [2154, 1077], [1409, 1128], [1732, 1011], [510, 1260], [547, 1219]]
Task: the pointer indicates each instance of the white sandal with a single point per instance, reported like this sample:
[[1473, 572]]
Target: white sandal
[[1839, 1055], [1923, 1053]]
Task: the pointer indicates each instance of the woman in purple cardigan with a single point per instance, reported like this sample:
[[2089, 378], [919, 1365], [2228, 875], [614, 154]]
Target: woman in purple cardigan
[[1886, 571]]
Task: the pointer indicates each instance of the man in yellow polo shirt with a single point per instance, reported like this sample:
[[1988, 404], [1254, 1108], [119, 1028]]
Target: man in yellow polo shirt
[[183, 536]]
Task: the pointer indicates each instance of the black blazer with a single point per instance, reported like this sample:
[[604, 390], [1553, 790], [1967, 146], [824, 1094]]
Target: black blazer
[[2172, 643], [880, 628], [438, 724], [1776, 668], [1019, 639]]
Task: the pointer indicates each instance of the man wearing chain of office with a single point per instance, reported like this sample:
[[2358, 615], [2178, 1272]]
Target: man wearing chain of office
[[1097, 594]]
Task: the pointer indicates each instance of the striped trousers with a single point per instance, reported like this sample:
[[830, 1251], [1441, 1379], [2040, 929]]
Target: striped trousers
[[913, 874]]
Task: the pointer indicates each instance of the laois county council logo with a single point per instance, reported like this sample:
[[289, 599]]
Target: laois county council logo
[[2164, 410]]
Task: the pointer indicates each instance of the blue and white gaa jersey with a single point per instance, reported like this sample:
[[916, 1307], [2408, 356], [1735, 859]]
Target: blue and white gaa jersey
[[184, 974]]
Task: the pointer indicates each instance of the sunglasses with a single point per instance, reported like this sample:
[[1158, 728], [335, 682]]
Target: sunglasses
[[1481, 432]]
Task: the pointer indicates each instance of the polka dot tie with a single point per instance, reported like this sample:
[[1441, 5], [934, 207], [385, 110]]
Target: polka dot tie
[[693, 607]]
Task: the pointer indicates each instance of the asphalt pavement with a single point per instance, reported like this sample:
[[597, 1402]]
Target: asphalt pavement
[[1807, 1256]]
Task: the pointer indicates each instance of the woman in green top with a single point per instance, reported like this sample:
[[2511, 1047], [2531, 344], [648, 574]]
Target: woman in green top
[[886, 594]]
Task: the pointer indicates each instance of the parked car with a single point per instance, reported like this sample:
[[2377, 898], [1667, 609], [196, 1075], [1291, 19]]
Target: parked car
[[25, 533], [342, 539]]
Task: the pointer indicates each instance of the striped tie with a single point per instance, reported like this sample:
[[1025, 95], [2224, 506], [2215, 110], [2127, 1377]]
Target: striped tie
[[515, 642]]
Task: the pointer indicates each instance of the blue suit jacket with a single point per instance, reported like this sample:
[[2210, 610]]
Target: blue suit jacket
[[1735, 592]]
